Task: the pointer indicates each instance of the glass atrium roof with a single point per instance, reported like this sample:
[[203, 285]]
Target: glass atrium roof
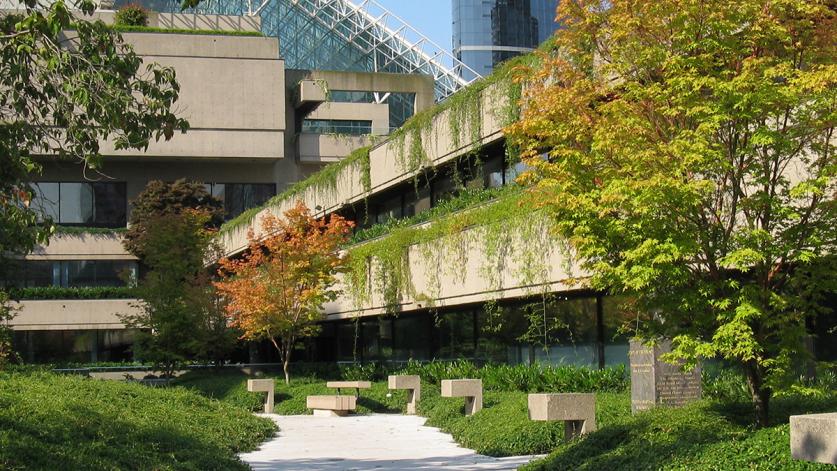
[[342, 35]]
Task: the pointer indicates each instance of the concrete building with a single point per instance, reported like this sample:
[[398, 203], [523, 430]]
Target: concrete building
[[256, 127]]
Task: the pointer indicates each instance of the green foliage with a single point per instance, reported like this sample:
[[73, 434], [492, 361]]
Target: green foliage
[[323, 182], [207, 32], [503, 427], [60, 292], [160, 198], [702, 436], [76, 230], [525, 378], [63, 117], [131, 15], [7, 313], [694, 171], [66, 422], [383, 265], [467, 198]]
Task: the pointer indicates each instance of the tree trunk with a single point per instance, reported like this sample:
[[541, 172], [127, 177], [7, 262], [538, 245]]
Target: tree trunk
[[759, 392], [285, 367], [284, 355]]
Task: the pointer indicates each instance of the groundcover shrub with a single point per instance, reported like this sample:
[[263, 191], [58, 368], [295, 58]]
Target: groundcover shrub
[[706, 435], [50, 421]]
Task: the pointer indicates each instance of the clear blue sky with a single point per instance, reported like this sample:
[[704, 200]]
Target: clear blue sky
[[432, 18]]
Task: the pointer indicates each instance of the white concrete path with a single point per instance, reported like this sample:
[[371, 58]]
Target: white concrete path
[[377, 441]]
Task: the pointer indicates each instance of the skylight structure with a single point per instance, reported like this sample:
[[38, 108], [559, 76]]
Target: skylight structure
[[344, 35]]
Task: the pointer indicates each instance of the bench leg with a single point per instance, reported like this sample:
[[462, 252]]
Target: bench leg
[[268, 405], [411, 401], [473, 405]]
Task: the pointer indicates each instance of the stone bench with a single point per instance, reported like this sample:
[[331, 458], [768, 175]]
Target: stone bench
[[813, 437], [470, 389], [331, 406], [263, 385], [412, 383], [356, 385], [577, 410]]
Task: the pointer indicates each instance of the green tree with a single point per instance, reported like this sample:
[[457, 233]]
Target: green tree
[[67, 85], [159, 198], [171, 231], [7, 353], [691, 164]]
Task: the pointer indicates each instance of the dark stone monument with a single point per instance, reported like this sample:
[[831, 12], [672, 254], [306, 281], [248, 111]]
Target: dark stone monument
[[657, 383]]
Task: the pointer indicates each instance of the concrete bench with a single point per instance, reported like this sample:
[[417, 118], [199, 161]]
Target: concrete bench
[[356, 385], [577, 410], [331, 406], [813, 437], [263, 385], [470, 389], [412, 383]]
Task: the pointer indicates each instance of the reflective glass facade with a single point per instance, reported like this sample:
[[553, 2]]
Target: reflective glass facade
[[69, 273], [487, 32], [91, 204], [239, 197]]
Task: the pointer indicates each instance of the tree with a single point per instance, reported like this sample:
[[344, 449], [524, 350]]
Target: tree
[[66, 85], [277, 289], [7, 312], [172, 233], [168, 198], [691, 164], [169, 324]]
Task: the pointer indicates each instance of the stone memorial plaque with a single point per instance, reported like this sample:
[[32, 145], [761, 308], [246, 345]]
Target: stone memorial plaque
[[655, 382]]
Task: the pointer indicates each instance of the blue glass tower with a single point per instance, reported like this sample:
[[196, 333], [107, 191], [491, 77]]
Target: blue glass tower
[[487, 32]]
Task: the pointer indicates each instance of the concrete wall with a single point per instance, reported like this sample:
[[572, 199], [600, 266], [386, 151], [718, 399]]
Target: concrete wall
[[81, 247], [231, 92], [385, 167], [325, 148], [75, 314]]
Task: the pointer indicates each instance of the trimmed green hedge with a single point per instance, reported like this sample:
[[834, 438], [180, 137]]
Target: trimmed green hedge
[[210, 32], [50, 421], [90, 230], [58, 292]]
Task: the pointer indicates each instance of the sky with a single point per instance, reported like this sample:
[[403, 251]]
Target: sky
[[430, 17]]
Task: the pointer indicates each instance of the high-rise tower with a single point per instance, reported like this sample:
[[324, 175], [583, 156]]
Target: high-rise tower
[[487, 32]]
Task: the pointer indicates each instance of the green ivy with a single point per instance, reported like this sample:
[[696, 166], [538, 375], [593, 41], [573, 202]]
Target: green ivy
[[59, 292], [444, 245], [322, 182]]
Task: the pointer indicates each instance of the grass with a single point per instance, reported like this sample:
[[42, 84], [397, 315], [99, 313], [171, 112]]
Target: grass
[[50, 421], [706, 435]]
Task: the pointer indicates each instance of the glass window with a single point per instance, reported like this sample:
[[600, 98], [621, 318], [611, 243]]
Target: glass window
[[389, 209], [416, 201], [336, 126], [412, 337], [568, 330], [444, 188], [493, 172], [455, 333], [346, 341], [45, 200], [239, 197], [76, 204], [109, 204]]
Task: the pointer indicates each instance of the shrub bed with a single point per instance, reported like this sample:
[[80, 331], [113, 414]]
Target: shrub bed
[[50, 421], [706, 435], [59, 292]]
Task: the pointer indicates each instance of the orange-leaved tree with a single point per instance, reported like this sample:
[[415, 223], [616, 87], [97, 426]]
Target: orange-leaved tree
[[276, 290]]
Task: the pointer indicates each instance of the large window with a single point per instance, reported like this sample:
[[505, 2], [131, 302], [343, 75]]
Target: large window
[[95, 204], [239, 197], [336, 126], [72, 273]]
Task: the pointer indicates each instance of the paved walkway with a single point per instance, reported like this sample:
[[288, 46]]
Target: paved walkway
[[378, 441]]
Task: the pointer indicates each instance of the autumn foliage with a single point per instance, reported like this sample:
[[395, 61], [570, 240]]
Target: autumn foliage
[[276, 290]]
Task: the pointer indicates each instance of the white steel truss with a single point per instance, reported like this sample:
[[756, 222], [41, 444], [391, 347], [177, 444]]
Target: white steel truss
[[350, 35], [391, 42]]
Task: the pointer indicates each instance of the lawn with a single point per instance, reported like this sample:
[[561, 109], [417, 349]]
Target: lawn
[[713, 434], [50, 421]]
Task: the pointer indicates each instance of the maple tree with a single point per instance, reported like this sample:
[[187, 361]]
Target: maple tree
[[276, 289], [691, 164]]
